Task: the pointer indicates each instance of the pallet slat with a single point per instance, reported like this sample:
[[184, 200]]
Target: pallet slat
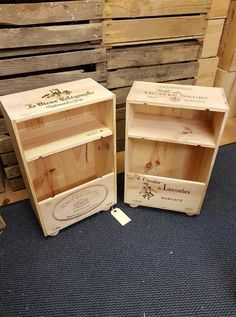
[[148, 55], [50, 12], [48, 35], [53, 61], [8, 86], [159, 73], [8, 159], [123, 31], [139, 8]]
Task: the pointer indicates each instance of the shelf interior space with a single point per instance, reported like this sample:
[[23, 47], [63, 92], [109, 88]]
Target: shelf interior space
[[56, 132], [184, 126], [65, 170], [169, 160]]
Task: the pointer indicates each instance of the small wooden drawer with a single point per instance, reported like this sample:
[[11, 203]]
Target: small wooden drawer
[[172, 138], [64, 137]]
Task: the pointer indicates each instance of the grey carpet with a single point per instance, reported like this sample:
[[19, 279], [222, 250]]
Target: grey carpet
[[160, 264]]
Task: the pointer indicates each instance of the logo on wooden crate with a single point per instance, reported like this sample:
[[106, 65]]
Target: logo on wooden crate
[[56, 93], [80, 203], [56, 97], [175, 94], [146, 191]]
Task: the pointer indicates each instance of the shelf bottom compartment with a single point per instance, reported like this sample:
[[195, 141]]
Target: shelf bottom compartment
[[65, 170], [78, 203], [164, 193]]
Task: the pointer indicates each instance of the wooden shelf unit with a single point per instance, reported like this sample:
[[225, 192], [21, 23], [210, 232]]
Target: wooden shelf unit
[[65, 145], [172, 138]]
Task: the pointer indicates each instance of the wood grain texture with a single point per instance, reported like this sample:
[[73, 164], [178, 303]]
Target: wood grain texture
[[207, 71], [123, 31], [212, 38], [227, 80], [8, 159], [219, 9], [139, 8], [147, 55], [10, 197], [5, 144], [227, 50], [47, 49], [12, 171], [10, 86], [3, 127], [16, 184], [48, 35], [50, 12], [159, 73], [31, 64]]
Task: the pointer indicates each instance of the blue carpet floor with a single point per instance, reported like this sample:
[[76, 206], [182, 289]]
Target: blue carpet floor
[[160, 264]]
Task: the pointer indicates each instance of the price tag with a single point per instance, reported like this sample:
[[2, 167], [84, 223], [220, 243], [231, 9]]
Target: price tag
[[120, 216]]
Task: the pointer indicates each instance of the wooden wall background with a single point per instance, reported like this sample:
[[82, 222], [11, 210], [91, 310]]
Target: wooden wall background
[[113, 41]]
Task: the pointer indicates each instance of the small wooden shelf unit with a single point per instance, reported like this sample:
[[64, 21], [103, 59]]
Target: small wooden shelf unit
[[64, 137], [172, 138]]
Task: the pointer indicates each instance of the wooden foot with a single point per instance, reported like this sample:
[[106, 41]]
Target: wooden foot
[[133, 205], [54, 234], [190, 215]]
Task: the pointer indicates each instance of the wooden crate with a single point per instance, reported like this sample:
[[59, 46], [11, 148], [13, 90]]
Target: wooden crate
[[172, 138], [227, 80], [64, 139], [227, 50]]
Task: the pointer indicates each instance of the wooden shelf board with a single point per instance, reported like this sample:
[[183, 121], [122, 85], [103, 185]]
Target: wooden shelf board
[[170, 129], [58, 140]]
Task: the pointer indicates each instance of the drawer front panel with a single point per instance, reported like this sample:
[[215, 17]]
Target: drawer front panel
[[164, 193]]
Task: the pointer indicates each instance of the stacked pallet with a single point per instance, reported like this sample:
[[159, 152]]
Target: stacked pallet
[[45, 43], [209, 60], [153, 41], [226, 73]]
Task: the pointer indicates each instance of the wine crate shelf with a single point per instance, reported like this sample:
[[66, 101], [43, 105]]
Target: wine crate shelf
[[64, 138], [172, 138]]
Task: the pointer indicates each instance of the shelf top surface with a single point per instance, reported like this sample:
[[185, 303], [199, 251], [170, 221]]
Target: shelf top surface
[[179, 96], [47, 100]]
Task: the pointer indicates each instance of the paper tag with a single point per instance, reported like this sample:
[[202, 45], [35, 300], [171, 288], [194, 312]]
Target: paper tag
[[120, 216]]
